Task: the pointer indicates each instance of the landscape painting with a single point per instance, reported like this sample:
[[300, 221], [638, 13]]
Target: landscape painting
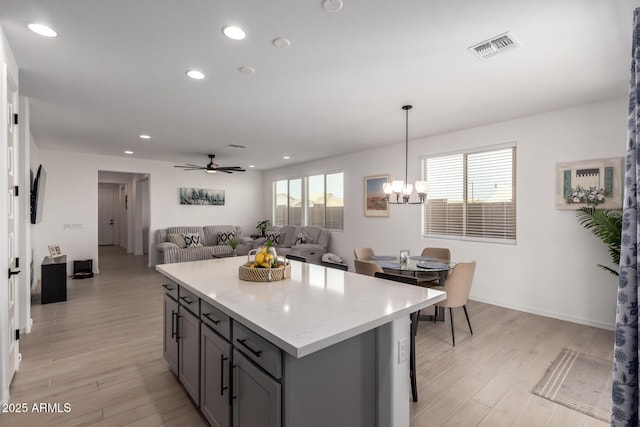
[[201, 196], [375, 201]]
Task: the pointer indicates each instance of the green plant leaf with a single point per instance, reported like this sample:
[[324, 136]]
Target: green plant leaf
[[606, 224]]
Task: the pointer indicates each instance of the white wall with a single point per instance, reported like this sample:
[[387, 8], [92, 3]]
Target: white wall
[[72, 198], [551, 270]]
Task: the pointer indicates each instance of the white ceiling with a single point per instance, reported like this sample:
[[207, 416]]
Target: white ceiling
[[117, 69]]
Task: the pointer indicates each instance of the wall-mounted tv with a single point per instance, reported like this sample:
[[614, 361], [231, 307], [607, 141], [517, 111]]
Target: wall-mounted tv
[[37, 195]]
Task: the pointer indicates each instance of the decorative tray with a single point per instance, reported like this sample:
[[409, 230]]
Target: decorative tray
[[423, 258], [252, 274], [383, 258], [434, 265]]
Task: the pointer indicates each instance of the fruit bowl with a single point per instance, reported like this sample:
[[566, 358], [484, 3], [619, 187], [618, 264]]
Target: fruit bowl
[[250, 273]]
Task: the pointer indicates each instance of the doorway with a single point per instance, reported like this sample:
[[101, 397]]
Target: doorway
[[106, 214], [123, 210]]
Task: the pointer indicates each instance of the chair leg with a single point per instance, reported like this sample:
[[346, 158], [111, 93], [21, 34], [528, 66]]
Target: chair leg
[[412, 355], [453, 335], [468, 321]]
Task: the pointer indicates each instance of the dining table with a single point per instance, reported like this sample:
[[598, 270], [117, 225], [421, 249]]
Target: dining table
[[413, 266]]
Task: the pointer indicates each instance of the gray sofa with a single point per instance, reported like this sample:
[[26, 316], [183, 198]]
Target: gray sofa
[[307, 241], [173, 248]]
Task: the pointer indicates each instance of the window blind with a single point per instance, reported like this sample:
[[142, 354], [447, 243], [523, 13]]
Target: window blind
[[471, 195]]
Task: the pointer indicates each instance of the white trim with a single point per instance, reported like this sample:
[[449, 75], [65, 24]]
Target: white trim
[[545, 313], [472, 150], [4, 319]]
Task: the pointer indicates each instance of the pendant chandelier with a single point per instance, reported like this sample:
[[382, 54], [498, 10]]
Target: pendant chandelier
[[402, 189]]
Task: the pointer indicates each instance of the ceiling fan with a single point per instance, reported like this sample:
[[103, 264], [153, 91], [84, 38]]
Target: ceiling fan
[[211, 167]]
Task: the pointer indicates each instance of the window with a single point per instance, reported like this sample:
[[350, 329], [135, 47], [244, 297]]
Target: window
[[314, 200], [471, 195]]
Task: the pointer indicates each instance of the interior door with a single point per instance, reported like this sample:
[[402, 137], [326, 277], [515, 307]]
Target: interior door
[[106, 199], [12, 226]]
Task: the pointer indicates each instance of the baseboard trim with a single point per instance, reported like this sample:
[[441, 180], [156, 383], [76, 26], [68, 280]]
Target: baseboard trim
[[545, 313]]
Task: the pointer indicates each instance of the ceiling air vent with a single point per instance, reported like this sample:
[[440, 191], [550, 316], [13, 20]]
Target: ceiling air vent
[[237, 146], [494, 45]]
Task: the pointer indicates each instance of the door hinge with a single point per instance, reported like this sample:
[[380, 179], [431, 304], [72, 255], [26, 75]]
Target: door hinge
[[17, 334], [15, 119], [16, 190]]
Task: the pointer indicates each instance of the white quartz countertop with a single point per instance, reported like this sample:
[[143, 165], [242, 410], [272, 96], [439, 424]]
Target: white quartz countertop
[[314, 309]]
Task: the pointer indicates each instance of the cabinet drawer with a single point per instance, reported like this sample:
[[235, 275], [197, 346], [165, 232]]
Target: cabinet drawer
[[189, 300], [170, 288], [215, 319], [259, 350]]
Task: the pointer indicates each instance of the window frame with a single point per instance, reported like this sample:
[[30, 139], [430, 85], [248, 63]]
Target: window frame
[[465, 152], [305, 198]]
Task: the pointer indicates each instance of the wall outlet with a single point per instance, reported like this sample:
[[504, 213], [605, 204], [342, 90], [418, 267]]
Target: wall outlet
[[402, 350]]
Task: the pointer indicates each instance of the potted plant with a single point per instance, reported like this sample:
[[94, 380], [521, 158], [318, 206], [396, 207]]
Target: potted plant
[[262, 226], [607, 225], [234, 245]]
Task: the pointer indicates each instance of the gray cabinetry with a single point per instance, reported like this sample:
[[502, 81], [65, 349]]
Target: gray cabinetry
[[170, 342], [240, 379], [189, 353], [215, 378], [257, 396]]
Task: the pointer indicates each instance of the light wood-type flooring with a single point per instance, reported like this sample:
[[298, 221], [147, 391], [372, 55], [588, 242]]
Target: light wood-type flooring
[[101, 353]]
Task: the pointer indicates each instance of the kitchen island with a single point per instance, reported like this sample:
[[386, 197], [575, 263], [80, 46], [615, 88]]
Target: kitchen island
[[324, 347]]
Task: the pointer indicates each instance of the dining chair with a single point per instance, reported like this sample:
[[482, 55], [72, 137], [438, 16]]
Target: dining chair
[[343, 267], [296, 257], [363, 253], [413, 331], [367, 268], [433, 279], [457, 287], [440, 253]]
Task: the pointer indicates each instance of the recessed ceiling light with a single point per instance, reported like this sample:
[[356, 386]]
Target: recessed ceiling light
[[128, 152], [332, 6], [234, 33], [247, 70], [143, 136], [42, 30], [281, 42], [195, 74], [286, 157], [252, 166]]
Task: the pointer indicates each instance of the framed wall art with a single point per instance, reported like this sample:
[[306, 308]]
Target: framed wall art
[[595, 183], [201, 196], [375, 201]]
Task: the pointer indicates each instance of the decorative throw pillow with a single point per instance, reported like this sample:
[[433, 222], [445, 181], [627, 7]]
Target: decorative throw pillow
[[177, 239], [192, 240], [224, 237], [301, 238], [274, 236]]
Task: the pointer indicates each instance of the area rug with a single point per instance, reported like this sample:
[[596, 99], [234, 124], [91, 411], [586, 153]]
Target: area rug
[[580, 382]]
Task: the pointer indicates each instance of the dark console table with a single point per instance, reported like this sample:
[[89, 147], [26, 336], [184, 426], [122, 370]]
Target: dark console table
[[54, 279]]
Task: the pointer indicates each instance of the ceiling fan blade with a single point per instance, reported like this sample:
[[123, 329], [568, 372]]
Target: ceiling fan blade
[[231, 169], [189, 167]]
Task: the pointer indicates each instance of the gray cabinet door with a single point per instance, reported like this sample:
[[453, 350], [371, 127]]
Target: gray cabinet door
[[170, 344], [215, 381], [189, 353], [257, 396]]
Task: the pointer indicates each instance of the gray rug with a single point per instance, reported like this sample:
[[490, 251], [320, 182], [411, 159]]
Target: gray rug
[[580, 382]]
